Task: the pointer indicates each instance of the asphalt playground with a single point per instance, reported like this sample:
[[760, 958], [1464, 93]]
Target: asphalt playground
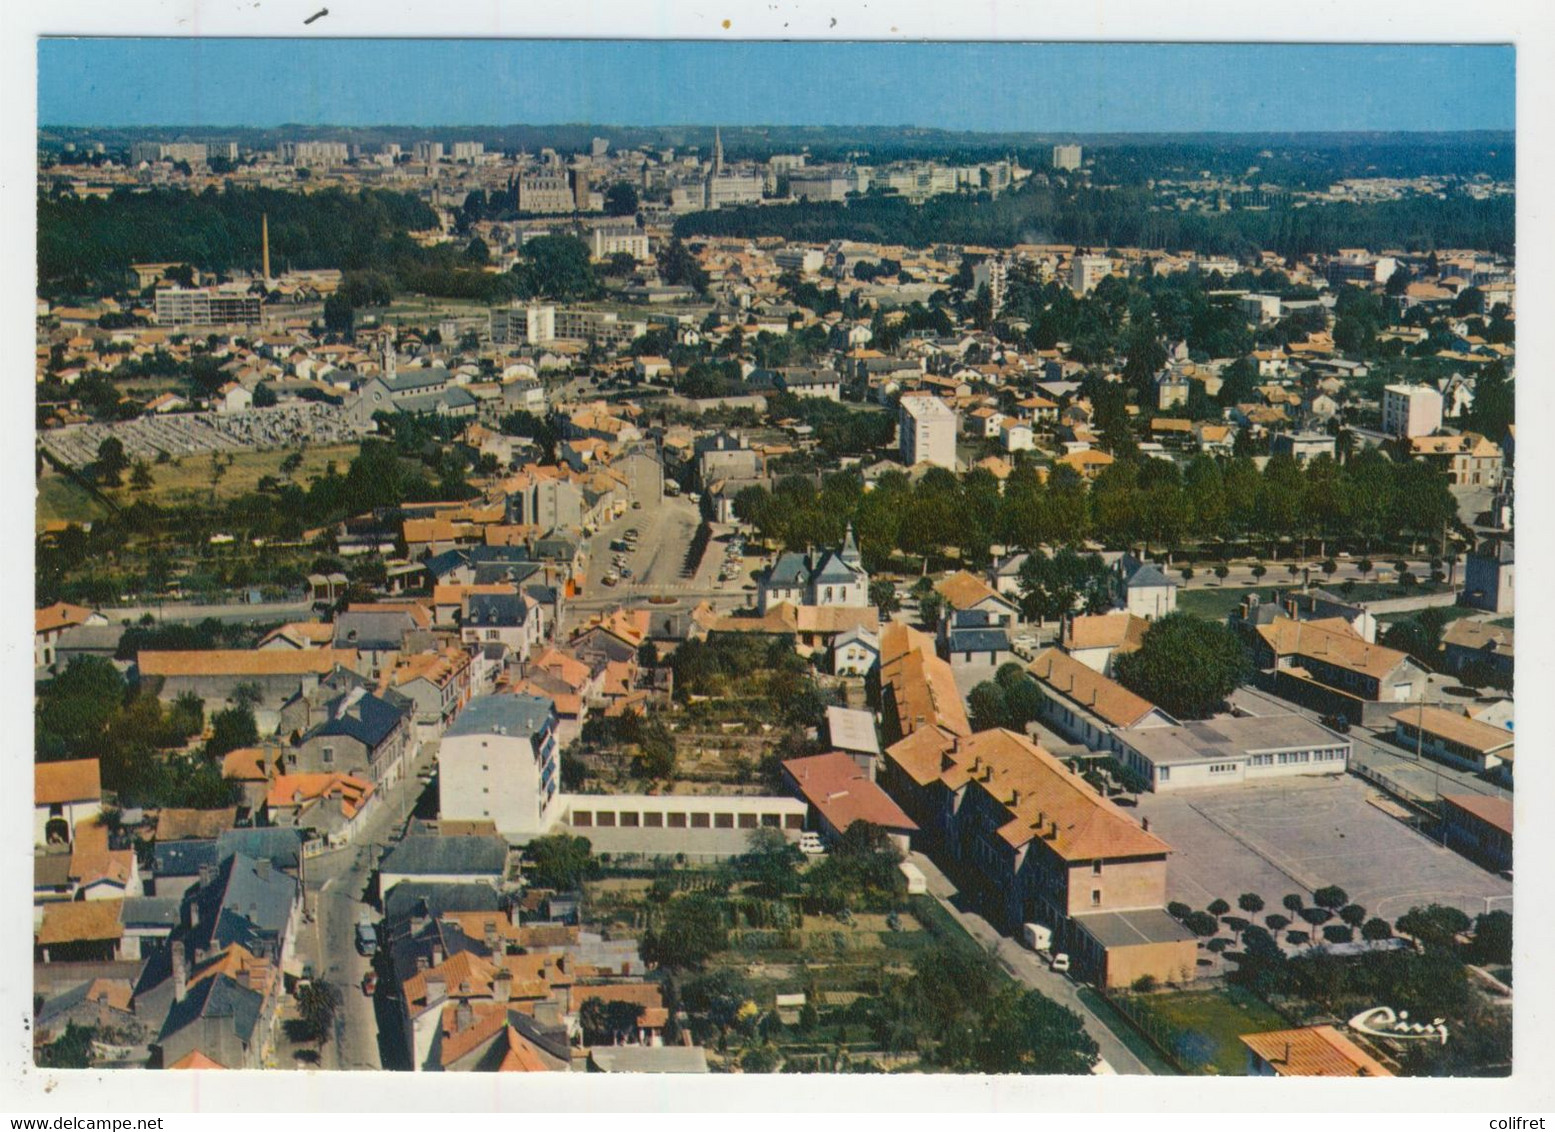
[[1301, 834]]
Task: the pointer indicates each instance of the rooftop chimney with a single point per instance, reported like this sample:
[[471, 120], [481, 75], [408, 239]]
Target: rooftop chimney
[[464, 1016], [502, 985], [180, 972], [262, 868]]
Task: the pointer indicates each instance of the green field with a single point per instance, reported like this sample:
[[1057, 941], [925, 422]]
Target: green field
[[188, 479], [1202, 1028], [1214, 603], [61, 498]]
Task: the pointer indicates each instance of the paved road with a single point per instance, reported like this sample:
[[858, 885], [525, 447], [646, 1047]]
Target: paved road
[[336, 885], [184, 611], [1031, 971]]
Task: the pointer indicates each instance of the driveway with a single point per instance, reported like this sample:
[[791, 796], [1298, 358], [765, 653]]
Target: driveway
[[1026, 967]]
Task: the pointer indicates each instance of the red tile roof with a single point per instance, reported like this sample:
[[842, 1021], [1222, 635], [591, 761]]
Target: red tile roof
[[842, 793]]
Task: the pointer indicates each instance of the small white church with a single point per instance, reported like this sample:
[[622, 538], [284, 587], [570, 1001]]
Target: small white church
[[828, 577]]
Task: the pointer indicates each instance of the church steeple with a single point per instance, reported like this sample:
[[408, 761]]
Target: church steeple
[[390, 356], [849, 553], [718, 152]]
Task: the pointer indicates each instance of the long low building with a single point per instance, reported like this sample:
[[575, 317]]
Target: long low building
[[1449, 737], [1479, 827], [1087, 707], [700, 827], [1231, 749]]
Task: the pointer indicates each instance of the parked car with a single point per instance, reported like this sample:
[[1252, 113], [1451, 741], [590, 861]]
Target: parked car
[[1060, 963], [366, 939], [1337, 723]]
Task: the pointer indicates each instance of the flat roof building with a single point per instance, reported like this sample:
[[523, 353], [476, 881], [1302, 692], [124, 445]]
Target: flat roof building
[[1231, 749]]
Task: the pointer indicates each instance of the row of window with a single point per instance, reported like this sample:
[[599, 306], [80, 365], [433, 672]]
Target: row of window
[[653, 819]]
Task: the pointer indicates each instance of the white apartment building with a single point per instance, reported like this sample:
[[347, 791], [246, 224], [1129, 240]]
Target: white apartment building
[[1086, 271], [1411, 410], [806, 261], [499, 762], [607, 240], [428, 152], [468, 150], [315, 153], [926, 431], [994, 274], [1066, 157]]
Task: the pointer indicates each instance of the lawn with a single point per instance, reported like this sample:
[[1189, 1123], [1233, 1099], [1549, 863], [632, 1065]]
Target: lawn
[[60, 497], [1202, 1028], [188, 479], [1448, 613], [1214, 603]]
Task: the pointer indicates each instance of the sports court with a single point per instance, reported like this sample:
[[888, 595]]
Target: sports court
[[1300, 834]]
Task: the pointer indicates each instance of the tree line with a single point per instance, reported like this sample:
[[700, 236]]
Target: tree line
[[1369, 500], [1122, 217]]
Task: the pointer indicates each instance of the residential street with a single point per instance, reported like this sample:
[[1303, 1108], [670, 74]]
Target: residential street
[[336, 885], [1030, 970]]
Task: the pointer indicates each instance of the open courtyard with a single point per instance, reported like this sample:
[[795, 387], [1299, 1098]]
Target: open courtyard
[[1302, 834]]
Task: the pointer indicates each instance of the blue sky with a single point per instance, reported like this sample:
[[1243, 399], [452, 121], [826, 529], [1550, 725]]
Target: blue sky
[[1080, 88]]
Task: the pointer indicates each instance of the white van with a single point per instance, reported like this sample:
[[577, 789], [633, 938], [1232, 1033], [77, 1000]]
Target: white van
[[1036, 936], [917, 883]]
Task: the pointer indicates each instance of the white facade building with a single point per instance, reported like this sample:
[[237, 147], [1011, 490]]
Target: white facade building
[[1086, 271], [926, 431], [499, 762], [1411, 410]]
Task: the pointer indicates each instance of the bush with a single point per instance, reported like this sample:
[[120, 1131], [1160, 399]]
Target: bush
[[1376, 928], [1145, 984], [1298, 939], [1201, 923], [1338, 933], [1330, 896], [1218, 944], [1218, 907], [1178, 910], [1316, 916]]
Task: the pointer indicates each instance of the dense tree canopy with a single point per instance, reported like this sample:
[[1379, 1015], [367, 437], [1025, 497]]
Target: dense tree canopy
[[1186, 666]]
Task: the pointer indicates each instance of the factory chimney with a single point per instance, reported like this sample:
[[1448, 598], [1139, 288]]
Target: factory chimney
[[264, 241]]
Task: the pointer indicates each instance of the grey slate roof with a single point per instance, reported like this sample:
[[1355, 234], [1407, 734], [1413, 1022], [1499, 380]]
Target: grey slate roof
[[978, 640], [516, 714], [374, 631], [283, 847], [151, 911], [243, 906], [182, 858], [361, 716], [790, 569], [417, 898], [1147, 576], [216, 997], [432, 855], [495, 610]]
